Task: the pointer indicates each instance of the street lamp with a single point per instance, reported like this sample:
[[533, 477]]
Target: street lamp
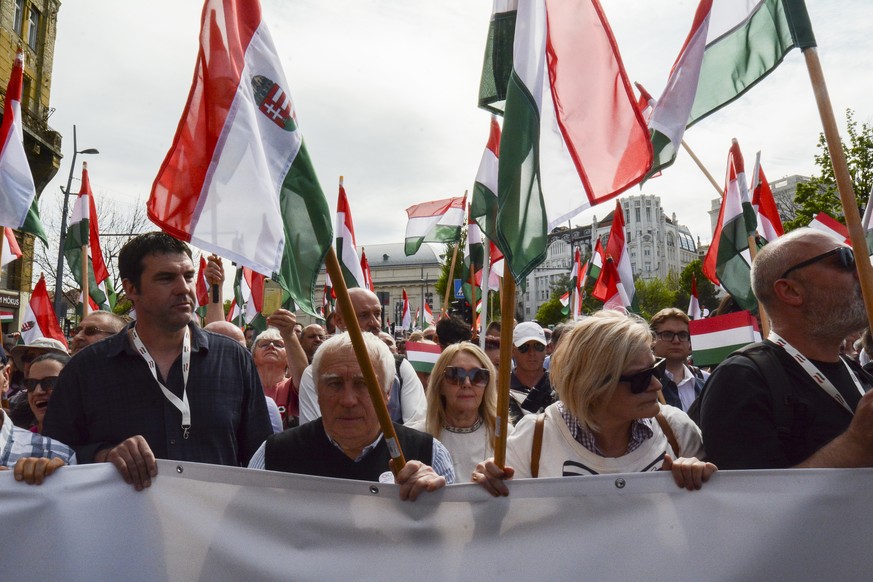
[[59, 273]]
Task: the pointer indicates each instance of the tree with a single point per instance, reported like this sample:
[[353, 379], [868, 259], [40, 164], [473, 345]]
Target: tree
[[820, 194], [653, 295], [552, 311]]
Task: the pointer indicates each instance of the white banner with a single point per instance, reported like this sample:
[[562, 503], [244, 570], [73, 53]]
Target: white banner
[[203, 522]]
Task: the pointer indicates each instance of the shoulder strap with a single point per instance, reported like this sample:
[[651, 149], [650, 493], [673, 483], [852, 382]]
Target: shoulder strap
[[777, 381], [668, 432], [537, 447]]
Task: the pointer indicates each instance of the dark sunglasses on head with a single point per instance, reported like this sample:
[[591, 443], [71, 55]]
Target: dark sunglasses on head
[[89, 330], [640, 381], [524, 348], [47, 383], [845, 260], [669, 336], [477, 376]]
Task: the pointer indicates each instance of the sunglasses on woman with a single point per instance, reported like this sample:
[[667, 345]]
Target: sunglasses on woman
[[477, 376], [47, 383], [640, 381]]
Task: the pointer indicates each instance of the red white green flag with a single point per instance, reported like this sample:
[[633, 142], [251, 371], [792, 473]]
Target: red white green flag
[[346, 249], [766, 211], [422, 356], [10, 249], [497, 65], [728, 262], [572, 134], [827, 224], [85, 232], [713, 339], [483, 203], [202, 286], [39, 317], [238, 180], [694, 303], [616, 249], [406, 318], [365, 270], [731, 46], [439, 221]]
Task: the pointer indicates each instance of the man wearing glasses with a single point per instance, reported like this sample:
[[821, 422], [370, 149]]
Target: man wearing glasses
[[793, 401], [530, 390], [680, 384], [96, 326]]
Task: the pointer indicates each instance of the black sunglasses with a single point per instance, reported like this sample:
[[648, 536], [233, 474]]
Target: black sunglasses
[[47, 383], [524, 348], [477, 376], [640, 381], [845, 256], [89, 330]]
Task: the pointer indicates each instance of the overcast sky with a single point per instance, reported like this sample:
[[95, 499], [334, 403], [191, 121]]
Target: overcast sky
[[386, 93]]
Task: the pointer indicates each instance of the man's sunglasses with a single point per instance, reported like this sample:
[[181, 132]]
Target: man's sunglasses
[[640, 381], [845, 260], [90, 330], [524, 348], [47, 383], [476, 376]]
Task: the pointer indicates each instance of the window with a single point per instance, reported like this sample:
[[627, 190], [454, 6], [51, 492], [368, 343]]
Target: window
[[33, 28], [19, 16], [648, 214], [637, 213]]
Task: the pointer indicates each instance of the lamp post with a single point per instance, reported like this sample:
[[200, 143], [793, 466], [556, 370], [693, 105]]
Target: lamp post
[[59, 273]]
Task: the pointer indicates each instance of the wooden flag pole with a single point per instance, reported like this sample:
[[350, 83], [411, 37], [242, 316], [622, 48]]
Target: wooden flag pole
[[344, 306], [843, 178], [85, 292], [507, 311], [703, 169], [450, 281]]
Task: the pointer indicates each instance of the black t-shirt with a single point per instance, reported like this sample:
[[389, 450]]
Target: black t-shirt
[[737, 413]]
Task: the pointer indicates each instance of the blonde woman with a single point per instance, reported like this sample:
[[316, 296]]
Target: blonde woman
[[607, 419], [462, 405]]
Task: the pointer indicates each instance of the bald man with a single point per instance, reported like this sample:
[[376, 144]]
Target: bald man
[[406, 403], [310, 339], [96, 326], [792, 401]]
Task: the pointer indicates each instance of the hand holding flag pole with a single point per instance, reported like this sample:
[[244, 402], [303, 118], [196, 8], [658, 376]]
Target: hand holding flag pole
[[344, 304]]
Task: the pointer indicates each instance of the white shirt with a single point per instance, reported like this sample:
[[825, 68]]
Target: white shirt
[[687, 394]]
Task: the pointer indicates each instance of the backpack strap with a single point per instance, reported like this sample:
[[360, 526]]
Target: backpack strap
[[781, 397], [537, 447], [668, 432]]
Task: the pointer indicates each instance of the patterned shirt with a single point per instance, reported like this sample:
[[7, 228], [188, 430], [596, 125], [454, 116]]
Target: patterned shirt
[[16, 443], [641, 429], [442, 461]]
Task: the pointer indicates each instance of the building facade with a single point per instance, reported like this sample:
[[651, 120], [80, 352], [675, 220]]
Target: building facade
[[657, 245], [30, 25]]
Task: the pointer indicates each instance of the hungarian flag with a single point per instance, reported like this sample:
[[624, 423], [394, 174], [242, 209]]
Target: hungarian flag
[[238, 180], [474, 262], [483, 203], [39, 317], [84, 233], [202, 287], [595, 265], [565, 302], [18, 204], [825, 223], [497, 65], [713, 339], [248, 287], [346, 249], [422, 356], [610, 289], [731, 46], [365, 270], [406, 318], [234, 314], [10, 250], [694, 303], [572, 134], [766, 211], [728, 262], [439, 221], [417, 318], [427, 316], [616, 249]]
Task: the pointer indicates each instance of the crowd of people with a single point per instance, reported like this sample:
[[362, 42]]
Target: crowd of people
[[610, 393]]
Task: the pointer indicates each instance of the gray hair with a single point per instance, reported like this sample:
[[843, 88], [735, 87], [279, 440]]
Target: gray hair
[[380, 356], [271, 333]]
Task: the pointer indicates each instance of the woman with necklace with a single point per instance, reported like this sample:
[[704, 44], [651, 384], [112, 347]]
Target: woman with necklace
[[462, 405]]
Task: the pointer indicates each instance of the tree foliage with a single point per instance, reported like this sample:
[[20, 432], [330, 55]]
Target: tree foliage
[[551, 312], [654, 295], [707, 293], [820, 193]]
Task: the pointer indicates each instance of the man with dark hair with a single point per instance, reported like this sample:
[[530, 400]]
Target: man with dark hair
[[452, 330], [162, 387], [792, 400], [681, 383]]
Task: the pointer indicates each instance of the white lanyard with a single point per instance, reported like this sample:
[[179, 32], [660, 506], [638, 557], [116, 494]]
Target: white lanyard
[[182, 404], [815, 373]]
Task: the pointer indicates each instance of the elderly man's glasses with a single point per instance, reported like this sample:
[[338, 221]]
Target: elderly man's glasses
[[640, 381], [524, 348], [669, 336], [90, 330], [845, 260], [278, 344], [47, 383], [477, 376]]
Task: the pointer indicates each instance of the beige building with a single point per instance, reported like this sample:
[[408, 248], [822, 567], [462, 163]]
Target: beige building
[[31, 25]]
